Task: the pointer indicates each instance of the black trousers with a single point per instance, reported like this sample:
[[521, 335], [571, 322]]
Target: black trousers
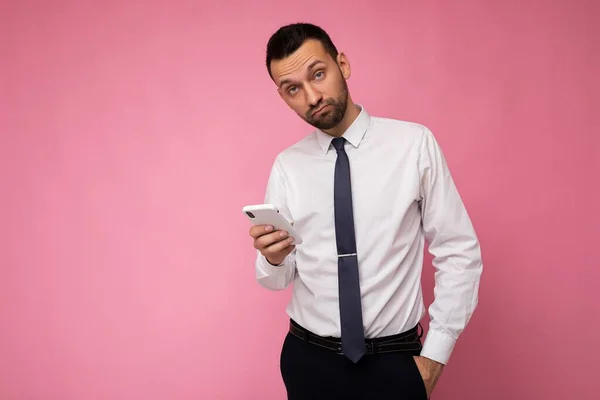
[[311, 372]]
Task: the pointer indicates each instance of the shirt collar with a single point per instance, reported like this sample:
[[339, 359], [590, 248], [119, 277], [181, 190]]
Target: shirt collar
[[353, 134]]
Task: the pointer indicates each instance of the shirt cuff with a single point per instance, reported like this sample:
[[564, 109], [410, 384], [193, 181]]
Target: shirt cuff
[[274, 277], [438, 346]]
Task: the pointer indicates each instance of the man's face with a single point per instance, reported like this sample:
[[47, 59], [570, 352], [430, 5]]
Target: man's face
[[313, 84]]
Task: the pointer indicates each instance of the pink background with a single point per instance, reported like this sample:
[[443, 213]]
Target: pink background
[[132, 135]]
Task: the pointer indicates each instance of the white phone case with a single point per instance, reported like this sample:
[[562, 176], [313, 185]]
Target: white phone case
[[268, 214]]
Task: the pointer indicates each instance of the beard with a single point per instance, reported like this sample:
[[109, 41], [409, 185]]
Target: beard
[[334, 114]]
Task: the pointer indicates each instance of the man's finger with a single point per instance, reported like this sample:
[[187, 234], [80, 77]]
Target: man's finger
[[268, 239], [259, 230], [279, 246]]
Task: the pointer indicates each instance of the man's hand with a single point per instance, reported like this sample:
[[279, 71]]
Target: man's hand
[[430, 372], [275, 246]]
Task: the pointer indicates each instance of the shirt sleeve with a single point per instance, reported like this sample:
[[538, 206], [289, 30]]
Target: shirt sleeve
[[455, 249], [269, 276]]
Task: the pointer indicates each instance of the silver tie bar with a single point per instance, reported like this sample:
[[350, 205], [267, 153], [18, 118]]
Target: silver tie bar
[[346, 255]]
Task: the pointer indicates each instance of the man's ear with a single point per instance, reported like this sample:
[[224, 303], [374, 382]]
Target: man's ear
[[344, 65]]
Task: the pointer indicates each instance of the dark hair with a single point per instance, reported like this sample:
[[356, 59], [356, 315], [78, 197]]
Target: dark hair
[[290, 37]]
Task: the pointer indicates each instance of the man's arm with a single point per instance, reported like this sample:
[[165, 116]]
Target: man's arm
[[455, 247], [268, 275]]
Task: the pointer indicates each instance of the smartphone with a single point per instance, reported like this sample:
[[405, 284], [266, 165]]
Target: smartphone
[[268, 214]]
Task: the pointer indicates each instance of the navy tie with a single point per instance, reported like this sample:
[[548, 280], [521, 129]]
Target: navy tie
[[353, 339]]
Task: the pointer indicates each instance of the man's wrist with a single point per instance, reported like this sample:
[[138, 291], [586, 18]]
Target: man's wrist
[[272, 263], [432, 361]]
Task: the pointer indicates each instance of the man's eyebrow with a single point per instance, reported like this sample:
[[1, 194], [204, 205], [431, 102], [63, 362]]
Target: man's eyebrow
[[310, 66]]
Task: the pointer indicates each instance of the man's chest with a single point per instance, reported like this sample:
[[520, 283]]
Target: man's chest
[[384, 185]]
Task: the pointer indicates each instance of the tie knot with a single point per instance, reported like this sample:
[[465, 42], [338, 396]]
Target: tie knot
[[338, 143]]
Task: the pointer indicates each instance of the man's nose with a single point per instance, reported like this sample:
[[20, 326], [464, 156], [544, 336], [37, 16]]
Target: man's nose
[[313, 96]]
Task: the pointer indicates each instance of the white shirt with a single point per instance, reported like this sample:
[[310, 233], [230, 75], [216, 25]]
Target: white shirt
[[403, 195]]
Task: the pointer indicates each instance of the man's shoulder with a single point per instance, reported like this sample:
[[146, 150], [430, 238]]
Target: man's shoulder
[[398, 126], [407, 132], [308, 144]]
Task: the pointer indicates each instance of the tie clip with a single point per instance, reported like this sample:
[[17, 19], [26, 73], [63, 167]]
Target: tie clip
[[346, 255]]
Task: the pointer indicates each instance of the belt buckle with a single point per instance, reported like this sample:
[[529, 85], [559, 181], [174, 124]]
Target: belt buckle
[[371, 348]]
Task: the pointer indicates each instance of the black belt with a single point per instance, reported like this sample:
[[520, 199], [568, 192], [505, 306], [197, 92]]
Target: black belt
[[406, 341]]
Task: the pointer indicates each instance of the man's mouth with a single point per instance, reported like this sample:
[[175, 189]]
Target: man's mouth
[[321, 109]]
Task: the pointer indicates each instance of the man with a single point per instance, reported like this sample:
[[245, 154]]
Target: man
[[364, 193]]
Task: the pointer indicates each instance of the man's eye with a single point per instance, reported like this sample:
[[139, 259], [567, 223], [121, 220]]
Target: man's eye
[[319, 75], [292, 89]]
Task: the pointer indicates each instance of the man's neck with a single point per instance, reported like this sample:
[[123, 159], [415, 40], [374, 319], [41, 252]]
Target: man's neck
[[350, 116]]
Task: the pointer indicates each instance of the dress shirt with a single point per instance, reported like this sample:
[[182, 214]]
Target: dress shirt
[[403, 196]]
